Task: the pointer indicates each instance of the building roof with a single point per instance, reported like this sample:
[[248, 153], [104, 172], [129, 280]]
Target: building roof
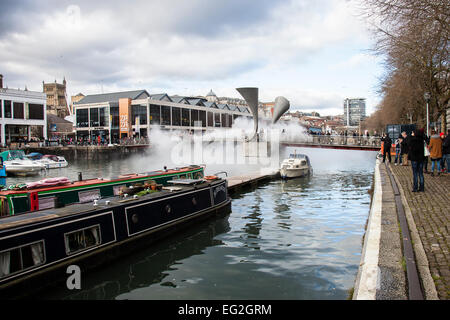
[[160, 97], [210, 104], [196, 102], [223, 106], [179, 99], [113, 97]]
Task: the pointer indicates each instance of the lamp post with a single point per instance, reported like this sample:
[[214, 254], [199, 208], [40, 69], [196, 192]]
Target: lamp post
[[427, 97]]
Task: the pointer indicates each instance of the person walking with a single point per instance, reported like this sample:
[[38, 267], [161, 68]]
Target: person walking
[[386, 147], [446, 151], [417, 156], [435, 147]]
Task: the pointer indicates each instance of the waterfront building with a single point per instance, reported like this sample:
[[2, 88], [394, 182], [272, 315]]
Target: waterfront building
[[354, 111], [113, 116], [56, 98], [22, 115]]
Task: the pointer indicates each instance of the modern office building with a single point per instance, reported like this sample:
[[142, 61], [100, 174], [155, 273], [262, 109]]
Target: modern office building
[[113, 116], [354, 111], [22, 115]]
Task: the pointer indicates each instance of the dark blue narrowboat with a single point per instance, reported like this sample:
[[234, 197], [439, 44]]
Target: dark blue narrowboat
[[40, 245]]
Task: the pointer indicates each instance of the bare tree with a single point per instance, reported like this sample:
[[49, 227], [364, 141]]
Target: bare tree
[[414, 38]]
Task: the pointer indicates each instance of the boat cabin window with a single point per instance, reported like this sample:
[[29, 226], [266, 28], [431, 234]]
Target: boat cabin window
[[21, 258], [198, 175], [303, 162], [47, 203], [88, 196], [116, 189], [82, 239]]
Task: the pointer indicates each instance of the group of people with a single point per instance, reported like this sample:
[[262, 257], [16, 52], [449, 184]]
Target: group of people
[[418, 148]]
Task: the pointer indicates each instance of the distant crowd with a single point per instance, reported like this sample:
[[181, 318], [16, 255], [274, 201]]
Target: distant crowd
[[419, 149]]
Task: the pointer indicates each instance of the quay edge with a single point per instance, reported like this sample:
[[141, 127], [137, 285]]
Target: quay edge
[[382, 271]]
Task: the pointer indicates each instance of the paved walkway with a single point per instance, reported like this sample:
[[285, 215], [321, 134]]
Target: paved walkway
[[431, 213]]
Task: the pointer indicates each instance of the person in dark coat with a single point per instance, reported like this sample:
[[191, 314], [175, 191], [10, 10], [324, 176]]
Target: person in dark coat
[[417, 156], [386, 147], [446, 151]]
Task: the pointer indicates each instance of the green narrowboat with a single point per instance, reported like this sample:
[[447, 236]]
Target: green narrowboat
[[22, 198]]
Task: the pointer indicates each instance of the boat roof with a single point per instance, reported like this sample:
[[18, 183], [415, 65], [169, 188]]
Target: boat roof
[[298, 156], [80, 208], [93, 182]]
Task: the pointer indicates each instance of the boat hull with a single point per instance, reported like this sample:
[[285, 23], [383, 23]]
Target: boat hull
[[124, 224], [286, 173]]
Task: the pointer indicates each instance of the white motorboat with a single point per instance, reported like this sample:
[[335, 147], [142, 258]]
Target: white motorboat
[[52, 162], [297, 165], [16, 163]]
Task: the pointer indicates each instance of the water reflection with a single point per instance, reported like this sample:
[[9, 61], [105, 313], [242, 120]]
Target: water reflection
[[147, 267]]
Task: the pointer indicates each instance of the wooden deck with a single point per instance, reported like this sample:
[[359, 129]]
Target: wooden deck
[[236, 183]]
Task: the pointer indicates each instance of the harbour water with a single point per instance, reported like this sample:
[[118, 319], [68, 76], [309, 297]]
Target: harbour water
[[299, 239]]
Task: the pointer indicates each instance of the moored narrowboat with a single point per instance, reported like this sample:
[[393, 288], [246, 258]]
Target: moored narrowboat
[[36, 243], [30, 197]]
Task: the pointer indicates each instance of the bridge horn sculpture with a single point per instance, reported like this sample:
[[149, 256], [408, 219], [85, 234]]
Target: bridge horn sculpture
[[250, 96], [281, 106]]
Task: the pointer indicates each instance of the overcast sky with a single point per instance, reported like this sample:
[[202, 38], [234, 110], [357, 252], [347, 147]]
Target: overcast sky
[[313, 52]]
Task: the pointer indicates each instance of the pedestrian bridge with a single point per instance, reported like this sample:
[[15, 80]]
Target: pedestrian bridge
[[335, 142]]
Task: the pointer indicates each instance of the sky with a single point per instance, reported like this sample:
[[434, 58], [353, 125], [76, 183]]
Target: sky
[[315, 53]]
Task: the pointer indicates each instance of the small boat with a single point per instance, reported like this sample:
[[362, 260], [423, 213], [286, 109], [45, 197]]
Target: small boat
[[16, 163], [49, 161], [297, 165], [52, 161], [37, 247]]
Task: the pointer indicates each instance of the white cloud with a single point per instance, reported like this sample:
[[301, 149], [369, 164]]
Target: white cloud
[[183, 44]]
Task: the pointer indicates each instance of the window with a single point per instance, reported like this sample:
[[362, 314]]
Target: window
[[82, 239], [115, 116], [165, 115], [176, 116], [89, 195], [185, 117], [217, 120], [224, 120], [18, 110], [210, 119], [155, 114], [93, 113], [1, 108], [21, 258], [36, 111], [103, 119], [139, 111], [203, 118], [194, 117], [7, 104], [82, 118]]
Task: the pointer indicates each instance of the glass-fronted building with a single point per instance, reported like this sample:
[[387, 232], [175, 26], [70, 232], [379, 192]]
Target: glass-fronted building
[[22, 115], [117, 115]]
